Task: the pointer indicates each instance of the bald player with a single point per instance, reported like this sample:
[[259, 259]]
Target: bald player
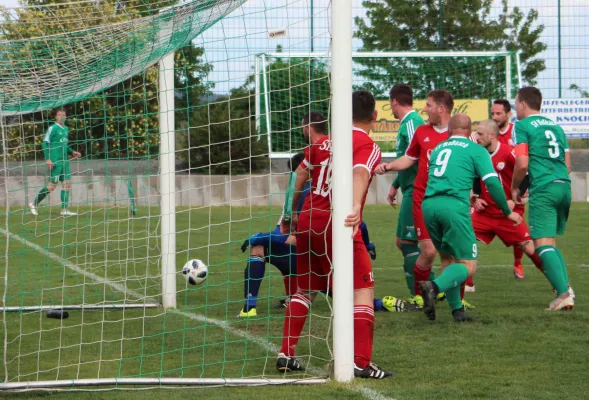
[[454, 164], [488, 220]]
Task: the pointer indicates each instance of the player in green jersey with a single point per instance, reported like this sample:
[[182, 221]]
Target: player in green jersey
[[542, 151], [401, 100], [454, 164], [56, 151]]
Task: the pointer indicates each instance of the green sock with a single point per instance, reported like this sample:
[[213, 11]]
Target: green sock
[[453, 298], [410, 254], [564, 265], [553, 268], [65, 198], [42, 194], [452, 277]]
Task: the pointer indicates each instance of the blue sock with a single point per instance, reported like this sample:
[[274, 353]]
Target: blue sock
[[364, 230], [378, 305], [253, 275]]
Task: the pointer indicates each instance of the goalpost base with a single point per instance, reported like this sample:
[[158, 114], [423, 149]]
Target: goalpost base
[[83, 307], [163, 382]]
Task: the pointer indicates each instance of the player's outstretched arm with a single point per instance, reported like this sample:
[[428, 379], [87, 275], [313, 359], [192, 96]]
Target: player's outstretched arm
[[361, 181], [400, 164]]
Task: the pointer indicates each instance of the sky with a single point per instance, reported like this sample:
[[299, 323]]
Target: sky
[[231, 44]]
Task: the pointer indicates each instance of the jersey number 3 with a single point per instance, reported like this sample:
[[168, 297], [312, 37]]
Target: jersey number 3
[[442, 162], [553, 150]]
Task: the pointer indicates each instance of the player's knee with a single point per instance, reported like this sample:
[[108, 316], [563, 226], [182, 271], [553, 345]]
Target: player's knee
[[428, 251], [471, 265], [51, 187], [364, 297], [257, 251]]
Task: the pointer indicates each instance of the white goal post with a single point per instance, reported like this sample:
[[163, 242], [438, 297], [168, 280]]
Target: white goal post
[[265, 114]]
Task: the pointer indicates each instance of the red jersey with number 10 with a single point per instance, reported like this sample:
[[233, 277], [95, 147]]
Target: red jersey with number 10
[[505, 137], [317, 207], [503, 159], [424, 141]]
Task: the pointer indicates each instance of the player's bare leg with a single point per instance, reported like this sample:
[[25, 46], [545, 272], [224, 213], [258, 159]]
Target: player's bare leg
[[42, 194], [554, 268], [65, 198]]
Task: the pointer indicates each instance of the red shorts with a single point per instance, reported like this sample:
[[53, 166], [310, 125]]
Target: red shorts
[[314, 257], [487, 227], [420, 229]]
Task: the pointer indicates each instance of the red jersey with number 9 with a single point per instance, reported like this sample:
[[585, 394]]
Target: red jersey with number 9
[[317, 207], [424, 141]]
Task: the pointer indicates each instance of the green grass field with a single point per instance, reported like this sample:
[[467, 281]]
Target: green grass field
[[514, 349]]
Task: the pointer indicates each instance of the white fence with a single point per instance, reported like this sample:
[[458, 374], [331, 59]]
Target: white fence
[[196, 190]]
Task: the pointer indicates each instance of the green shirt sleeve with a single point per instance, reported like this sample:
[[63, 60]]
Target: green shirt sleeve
[[396, 183], [484, 169], [70, 150], [287, 208], [520, 135]]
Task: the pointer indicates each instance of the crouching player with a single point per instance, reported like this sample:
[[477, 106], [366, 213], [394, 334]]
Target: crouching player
[[279, 246]]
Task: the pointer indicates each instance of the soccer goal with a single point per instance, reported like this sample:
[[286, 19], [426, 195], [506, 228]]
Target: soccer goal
[[287, 83], [131, 145]]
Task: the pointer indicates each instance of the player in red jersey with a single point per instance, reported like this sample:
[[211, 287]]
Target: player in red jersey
[[313, 227], [487, 219], [438, 107], [501, 114]]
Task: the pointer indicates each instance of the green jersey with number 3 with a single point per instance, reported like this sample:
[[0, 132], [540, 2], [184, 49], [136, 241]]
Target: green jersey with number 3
[[409, 124], [454, 164], [547, 145]]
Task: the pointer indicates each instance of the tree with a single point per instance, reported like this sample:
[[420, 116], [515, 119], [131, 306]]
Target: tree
[[457, 25], [295, 87], [220, 137], [120, 122]]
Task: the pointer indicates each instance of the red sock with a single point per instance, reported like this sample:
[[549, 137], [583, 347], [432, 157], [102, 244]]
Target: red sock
[[462, 287], [469, 281], [420, 276], [294, 321], [290, 284], [517, 256], [537, 262], [363, 334]]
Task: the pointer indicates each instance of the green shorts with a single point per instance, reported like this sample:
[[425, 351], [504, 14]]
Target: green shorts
[[449, 224], [549, 210], [405, 225], [60, 172]]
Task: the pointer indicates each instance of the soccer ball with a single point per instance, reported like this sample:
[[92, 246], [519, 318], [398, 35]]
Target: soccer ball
[[195, 272]]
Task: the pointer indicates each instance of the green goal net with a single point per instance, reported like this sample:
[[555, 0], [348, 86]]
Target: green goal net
[[146, 112]]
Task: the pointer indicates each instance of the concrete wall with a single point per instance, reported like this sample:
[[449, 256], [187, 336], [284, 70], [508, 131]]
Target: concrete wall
[[196, 190]]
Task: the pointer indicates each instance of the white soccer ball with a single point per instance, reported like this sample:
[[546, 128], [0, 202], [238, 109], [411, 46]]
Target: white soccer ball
[[195, 272]]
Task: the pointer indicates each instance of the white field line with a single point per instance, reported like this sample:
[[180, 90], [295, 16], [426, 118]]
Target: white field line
[[369, 394]]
